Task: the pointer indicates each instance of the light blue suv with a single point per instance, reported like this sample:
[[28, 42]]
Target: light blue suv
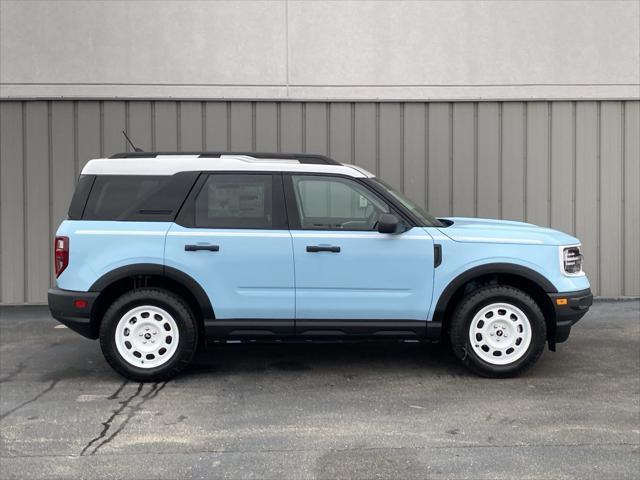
[[162, 251]]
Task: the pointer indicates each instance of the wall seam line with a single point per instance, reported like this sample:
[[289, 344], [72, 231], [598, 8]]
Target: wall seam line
[[50, 181], [229, 126], [475, 159], [303, 113], [101, 110], [574, 166], [254, 133], [451, 159], [623, 246], [153, 125], [525, 157], [550, 165], [76, 158], [179, 126], [500, 159], [278, 127], [25, 212], [377, 139], [599, 195], [327, 114], [352, 126], [203, 113], [402, 153], [426, 155]]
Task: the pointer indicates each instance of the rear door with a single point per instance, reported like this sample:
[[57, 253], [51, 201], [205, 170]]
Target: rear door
[[232, 238], [349, 277]]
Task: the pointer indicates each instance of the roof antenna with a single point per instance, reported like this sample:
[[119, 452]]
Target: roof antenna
[[135, 149]]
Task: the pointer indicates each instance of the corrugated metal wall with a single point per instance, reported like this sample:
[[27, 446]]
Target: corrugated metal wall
[[574, 166]]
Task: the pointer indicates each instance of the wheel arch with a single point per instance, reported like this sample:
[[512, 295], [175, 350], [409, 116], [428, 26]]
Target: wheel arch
[[127, 278], [524, 278]]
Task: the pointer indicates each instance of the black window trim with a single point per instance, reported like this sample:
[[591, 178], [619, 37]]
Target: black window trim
[[284, 193], [186, 217], [417, 221], [80, 197], [292, 210]]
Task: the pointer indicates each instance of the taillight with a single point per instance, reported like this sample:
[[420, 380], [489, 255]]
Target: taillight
[[60, 254]]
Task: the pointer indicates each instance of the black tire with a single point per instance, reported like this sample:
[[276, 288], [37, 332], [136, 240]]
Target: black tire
[[471, 305], [172, 304]]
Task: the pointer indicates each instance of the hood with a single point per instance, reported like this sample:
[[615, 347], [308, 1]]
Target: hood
[[481, 230]]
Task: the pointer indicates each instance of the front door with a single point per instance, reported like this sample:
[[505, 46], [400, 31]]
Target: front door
[[349, 278], [232, 238]]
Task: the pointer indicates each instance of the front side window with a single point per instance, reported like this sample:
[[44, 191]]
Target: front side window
[[335, 203], [235, 201]]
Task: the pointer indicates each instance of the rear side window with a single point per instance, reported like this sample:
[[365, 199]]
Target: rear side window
[[235, 201], [138, 197]]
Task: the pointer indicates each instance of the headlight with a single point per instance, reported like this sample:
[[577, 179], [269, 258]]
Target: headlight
[[571, 260]]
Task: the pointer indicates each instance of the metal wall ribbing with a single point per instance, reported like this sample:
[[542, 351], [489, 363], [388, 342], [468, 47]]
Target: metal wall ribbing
[[571, 165]]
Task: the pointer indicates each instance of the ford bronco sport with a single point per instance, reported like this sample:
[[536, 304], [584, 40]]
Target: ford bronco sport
[[161, 252]]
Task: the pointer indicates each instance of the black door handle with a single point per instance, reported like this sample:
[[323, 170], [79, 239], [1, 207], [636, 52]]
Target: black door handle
[[318, 248], [194, 248]]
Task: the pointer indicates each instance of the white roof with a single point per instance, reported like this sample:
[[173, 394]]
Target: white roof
[[170, 164]]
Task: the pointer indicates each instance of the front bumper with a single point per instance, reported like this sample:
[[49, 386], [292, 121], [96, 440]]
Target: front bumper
[[569, 312], [62, 305]]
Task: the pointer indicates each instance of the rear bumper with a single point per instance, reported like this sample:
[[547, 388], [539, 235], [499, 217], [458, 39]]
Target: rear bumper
[[62, 307], [567, 314]]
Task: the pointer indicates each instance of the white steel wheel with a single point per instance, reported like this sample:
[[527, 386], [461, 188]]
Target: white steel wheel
[[500, 333], [147, 336]]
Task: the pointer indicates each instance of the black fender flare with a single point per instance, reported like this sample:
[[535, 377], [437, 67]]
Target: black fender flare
[[142, 269], [488, 269]]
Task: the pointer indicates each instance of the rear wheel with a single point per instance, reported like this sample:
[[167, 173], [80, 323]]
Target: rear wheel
[[498, 331], [148, 334]]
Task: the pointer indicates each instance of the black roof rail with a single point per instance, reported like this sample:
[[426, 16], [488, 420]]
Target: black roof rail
[[301, 157]]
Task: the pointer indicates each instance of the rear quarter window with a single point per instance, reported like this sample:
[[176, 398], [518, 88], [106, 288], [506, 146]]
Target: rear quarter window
[[137, 197]]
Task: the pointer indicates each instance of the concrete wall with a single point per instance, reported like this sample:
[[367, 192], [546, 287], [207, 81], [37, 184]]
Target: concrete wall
[[574, 166], [405, 50]]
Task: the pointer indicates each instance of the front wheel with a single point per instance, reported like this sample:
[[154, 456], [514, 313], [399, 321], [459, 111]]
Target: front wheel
[[498, 331], [148, 335]]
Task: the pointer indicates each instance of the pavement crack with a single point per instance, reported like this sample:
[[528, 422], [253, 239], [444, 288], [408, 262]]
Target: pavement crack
[[116, 394], [107, 424], [31, 400], [153, 392]]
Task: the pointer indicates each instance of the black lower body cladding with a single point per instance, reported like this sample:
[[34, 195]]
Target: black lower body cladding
[[570, 311], [73, 309]]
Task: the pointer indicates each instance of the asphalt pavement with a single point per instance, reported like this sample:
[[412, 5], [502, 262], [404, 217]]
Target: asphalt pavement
[[321, 411]]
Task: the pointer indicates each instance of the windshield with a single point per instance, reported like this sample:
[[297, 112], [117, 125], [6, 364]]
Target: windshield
[[426, 219]]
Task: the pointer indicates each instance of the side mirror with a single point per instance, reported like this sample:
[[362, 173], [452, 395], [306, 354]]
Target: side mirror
[[389, 223]]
